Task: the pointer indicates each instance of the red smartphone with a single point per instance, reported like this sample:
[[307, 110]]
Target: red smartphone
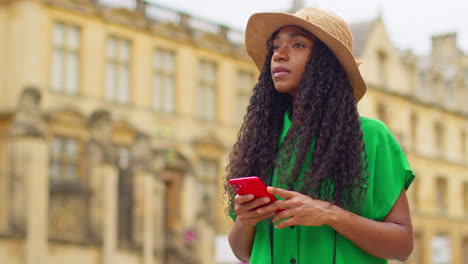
[[251, 185]]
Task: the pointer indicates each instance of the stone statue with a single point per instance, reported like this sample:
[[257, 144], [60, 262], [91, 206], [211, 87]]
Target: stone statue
[[100, 147], [141, 154], [28, 120]]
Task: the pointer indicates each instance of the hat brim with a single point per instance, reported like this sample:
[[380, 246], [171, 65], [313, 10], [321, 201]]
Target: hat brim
[[261, 26]]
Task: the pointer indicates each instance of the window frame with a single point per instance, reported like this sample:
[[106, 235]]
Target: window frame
[[164, 74], [67, 49], [119, 91]]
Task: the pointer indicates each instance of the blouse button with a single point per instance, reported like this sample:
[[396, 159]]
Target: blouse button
[[293, 226], [293, 261]]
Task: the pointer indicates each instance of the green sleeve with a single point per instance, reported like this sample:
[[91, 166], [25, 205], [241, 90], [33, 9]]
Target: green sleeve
[[389, 169]]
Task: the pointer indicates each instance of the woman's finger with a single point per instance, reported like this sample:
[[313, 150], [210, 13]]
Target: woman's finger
[[285, 194], [251, 205], [286, 223], [277, 205], [284, 214], [257, 202], [240, 199]]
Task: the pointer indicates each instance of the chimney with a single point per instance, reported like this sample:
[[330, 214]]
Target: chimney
[[297, 4], [444, 47]]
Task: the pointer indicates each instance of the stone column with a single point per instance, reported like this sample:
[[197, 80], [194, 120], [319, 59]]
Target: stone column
[[144, 180], [205, 247], [102, 159], [30, 162], [109, 226], [159, 228]]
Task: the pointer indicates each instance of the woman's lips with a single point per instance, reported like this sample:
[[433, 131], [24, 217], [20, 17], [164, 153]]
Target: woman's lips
[[280, 74], [280, 71]]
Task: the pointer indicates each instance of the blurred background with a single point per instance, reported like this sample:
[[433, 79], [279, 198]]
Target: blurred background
[[117, 118]]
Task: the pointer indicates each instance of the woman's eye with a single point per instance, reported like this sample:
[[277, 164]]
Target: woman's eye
[[275, 47], [298, 45]]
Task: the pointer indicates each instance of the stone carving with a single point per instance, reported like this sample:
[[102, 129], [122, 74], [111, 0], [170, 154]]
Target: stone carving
[[141, 152], [28, 121], [100, 147], [157, 161]]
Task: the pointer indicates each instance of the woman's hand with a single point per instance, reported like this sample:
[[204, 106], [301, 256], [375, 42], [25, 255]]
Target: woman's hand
[[390, 239], [245, 207], [299, 208], [242, 233]]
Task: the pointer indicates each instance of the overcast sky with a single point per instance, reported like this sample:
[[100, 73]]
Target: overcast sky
[[410, 23]]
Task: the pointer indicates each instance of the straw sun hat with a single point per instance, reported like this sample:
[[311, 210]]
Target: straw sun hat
[[325, 25]]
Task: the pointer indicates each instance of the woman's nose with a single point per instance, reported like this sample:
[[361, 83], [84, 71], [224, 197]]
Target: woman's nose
[[280, 53]]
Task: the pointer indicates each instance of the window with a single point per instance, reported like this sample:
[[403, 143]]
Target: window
[[441, 249], [118, 70], [439, 134], [382, 68], [163, 83], [414, 194], [64, 160], [207, 188], [416, 256], [123, 157], [414, 130], [463, 144], [125, 197], [424, 83], [441, 195], [465, 250], [450, 91], [206, 103], [65, 59], [437, 83], [465, 197], [382, 113], [245, 82]]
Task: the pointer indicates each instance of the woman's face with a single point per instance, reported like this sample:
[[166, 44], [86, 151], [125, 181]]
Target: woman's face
[[291, 50]]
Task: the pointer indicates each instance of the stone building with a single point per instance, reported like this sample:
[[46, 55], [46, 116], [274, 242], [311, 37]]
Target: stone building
[[423, 102], [117, 118], [111, 143]]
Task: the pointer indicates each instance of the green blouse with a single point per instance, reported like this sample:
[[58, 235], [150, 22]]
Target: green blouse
[[389, 172]]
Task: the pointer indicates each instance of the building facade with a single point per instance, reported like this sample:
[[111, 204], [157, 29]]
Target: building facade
[[117, 118], [424, 103], [116, 121]]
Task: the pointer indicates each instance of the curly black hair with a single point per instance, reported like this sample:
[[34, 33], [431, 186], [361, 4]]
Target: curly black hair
[[324, 115]]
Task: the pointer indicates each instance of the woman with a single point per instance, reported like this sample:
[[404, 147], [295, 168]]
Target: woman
[[341, 178]]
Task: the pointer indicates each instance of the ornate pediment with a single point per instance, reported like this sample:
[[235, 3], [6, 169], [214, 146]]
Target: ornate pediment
[[125, 17], [170, 30], [66, 121], [209, 146], [82, 6], [170, 159], [66, 116], [123, 133], [212, 41]]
